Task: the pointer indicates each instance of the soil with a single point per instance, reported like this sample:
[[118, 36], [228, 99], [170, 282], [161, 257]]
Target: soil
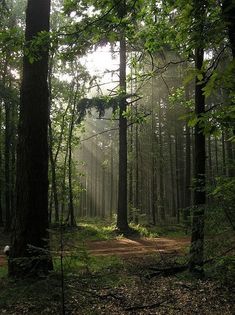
[[130, 247], [136, 246]]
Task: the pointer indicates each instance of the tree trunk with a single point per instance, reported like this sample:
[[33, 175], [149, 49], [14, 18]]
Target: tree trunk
[[7, 168], [228, 11], [161, 182], [53, 175], [197, 241], [187, 198], [29, 253], [111, 181], [51, 157], [153, 169], [1, 181], [71, 216], [122, 223], [103, 168], [137, 181], [7, 184]]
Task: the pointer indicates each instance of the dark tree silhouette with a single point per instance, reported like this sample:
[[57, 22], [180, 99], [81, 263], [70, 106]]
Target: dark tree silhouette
[[122, 223], [29, 253]]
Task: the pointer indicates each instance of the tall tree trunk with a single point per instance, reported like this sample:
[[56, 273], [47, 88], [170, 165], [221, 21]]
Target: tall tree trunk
[[53, 175], [223, 154], [13, 119], [173, 190], [71, 215], [111, 181], [177, 173], [7, 146], [130, 198], [187, 198], [197, 241], [1, 181], [122, 223], [228, 11], [7, 167], [29, 253], [103, 192], [51, 156], [137, 181], [161, 182], [153, 169]]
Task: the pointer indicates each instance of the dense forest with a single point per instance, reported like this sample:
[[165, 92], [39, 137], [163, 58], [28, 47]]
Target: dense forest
[[117, 125]]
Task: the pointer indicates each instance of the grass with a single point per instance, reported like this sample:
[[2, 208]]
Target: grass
[[104, 230], [84, 263], [3, 271], [43, 296]]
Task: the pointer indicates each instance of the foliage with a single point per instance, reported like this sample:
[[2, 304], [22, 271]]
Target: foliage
[[225, 191], [224, 269]]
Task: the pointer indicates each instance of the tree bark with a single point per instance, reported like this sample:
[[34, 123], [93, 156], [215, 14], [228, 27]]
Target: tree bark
[[122, 223], [197, 240], [29, 253], [71, 215], [228, 12], [1, 181]]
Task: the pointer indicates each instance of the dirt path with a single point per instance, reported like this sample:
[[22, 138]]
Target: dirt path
[[130, 247], [136, 246]]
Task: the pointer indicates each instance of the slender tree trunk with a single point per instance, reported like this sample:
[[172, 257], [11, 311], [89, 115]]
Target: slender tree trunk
[[161, 182], [7, 146], [177, 174], [29, 253], [51, 157], [172, 178], [153, 171], [130, 199], [137, 184], [53, 176], [103, 192], [187, 198], [14, 118], [223, 154], [96, 191], [71, 215], [122, 223], [7, 227], [111, 182], [63, 184], [1, 181], [197, 241]]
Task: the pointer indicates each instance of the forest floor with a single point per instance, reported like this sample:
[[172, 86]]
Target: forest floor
[[121, 276], [136, 246], [128, 247]]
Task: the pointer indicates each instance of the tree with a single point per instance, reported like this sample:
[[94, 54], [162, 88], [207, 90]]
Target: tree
[[122, 223], [29, 251], [228, 12]]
